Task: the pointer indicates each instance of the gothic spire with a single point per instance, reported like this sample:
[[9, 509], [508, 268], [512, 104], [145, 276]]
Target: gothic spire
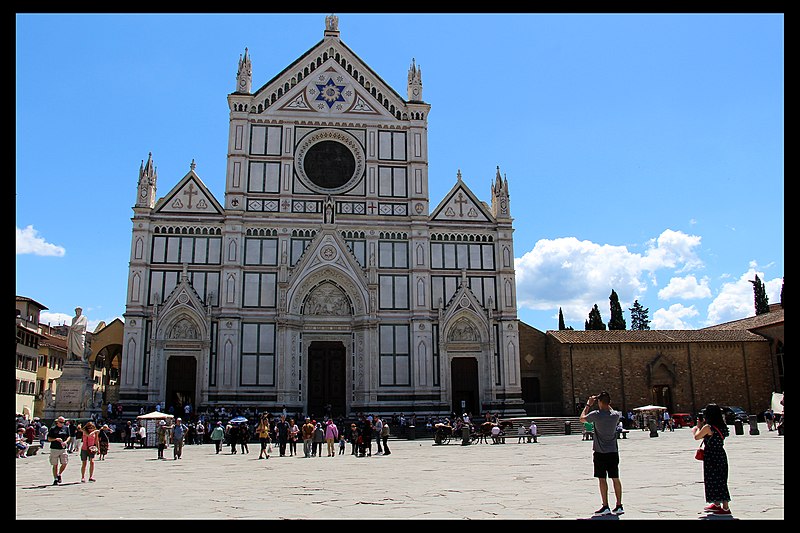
[[414, 82], [244, 78]]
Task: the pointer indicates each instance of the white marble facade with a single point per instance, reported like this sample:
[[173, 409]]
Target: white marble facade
[[325, 275]]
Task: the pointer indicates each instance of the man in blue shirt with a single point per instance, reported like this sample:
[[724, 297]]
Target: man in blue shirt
[[178, 436], [606, 453]]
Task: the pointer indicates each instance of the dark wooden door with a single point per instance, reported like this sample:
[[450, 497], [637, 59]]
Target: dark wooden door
[[464, 374], [327, 379], [181, 379]]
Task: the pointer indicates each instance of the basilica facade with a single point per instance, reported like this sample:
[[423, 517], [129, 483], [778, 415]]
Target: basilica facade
[[325, 280]]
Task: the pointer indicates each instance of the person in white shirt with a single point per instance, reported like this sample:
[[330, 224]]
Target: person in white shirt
[[534, 431]]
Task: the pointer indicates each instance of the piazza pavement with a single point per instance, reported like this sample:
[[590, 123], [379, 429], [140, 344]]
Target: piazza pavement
[[551, 479]]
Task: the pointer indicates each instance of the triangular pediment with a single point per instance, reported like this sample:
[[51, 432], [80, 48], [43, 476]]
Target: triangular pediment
[[190, 195], [461, 205], [329, 79], [328, 259], [464, 318], [181, 316]]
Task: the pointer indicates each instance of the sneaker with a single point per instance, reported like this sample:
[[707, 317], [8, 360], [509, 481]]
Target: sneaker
[[59, 478], [712, 508], [604, 510], [618, 510], [722, 511], [55, 481]]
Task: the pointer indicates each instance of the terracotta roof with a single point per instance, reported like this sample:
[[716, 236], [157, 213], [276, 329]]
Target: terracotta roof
[[774, 317], [26, 299], [654, 336]]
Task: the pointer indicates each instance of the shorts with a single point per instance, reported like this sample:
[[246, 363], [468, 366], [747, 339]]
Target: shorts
[[606, 464], [86, 454], [58, 456]]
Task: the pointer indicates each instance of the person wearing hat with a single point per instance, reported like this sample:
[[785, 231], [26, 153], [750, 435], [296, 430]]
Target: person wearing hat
[[217, 435], [58, 437], [162, 437], [103, 440]]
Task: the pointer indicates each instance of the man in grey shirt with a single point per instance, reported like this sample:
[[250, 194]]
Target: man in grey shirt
[[606, 453]]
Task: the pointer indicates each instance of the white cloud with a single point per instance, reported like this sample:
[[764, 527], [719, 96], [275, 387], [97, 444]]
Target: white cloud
[[686, 288], [29, 242], [736, 299], [54, 319], [574, 275], [674, 317]]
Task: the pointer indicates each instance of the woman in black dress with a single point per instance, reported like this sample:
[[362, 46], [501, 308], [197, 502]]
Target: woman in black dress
[[715, 460]]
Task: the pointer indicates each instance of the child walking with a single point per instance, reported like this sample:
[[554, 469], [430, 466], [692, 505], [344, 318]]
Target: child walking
[[341, 444]]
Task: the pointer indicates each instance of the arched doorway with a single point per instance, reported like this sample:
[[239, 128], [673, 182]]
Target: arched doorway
[[327, 379], [464, 379], [181, 382]]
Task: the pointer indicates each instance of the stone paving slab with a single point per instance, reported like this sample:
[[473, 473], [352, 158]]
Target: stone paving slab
[[551, 479]]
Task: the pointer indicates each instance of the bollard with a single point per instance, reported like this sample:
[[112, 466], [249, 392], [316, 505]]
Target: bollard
[[753, 425], [465, 440], [567, 428], [653, 428], [412, 432], [738, 428]]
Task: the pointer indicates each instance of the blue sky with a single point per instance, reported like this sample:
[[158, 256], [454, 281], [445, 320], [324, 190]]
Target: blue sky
[[644, 153]]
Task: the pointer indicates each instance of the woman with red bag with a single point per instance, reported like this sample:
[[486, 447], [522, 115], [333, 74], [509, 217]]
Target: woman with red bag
[[715, 460]]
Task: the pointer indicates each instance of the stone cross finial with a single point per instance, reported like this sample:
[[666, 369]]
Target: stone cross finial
[[192, 165]]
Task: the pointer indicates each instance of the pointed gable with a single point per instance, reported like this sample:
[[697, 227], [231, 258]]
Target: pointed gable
[[190, 195], [461, 205], [329, 79]]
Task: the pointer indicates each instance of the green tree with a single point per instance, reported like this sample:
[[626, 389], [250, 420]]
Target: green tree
[[561, 325], [617, 321], [760, 296], [639, 316], [781, 293], [595, 321]]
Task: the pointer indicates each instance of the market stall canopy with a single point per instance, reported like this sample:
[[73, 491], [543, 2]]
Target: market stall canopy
[[650, 408], [155, 415], [237, 420]]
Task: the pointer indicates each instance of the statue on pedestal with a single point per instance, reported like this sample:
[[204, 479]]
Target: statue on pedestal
[[76, 336]]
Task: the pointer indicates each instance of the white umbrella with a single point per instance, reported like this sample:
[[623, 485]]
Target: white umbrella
[[650, 408]]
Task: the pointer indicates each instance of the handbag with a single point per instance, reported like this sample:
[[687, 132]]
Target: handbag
[[700, 453], [92, 449]]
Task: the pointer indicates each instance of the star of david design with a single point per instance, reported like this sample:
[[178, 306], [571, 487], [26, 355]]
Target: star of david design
[[330, 93]]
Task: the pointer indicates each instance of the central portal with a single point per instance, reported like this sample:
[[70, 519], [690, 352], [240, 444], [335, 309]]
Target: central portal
[[327, 379]]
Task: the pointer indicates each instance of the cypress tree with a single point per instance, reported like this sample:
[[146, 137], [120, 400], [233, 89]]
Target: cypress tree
[[561, 325], [760, 296], [616, 321], [595, 321]]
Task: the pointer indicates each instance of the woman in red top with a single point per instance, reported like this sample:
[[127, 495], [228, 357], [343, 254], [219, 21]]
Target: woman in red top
[[89, 448]]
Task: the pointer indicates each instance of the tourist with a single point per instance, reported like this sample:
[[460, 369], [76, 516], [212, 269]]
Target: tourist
[[606, 453], [59, 439], [342, 443], [262, 430], [43, 429], [103, 440], [200, 432], [89, 448], [217, 435], [307, 434], [331, 435], [521, 431], [533, 432], [22, 444], [366, 438], [715, 460], [142, 435], [319, 438], [377, 427], [385, 437], [768, 418], [282, 432], [294, 434], [162, 437], [354, 437], [244, 436], [179, 431], [73, 432]]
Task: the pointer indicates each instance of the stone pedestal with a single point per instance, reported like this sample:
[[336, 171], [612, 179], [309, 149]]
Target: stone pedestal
[[74, 397], [653, 427], [753, 425]]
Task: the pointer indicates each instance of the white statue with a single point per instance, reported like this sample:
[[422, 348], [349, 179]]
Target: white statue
[[76, 336]]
